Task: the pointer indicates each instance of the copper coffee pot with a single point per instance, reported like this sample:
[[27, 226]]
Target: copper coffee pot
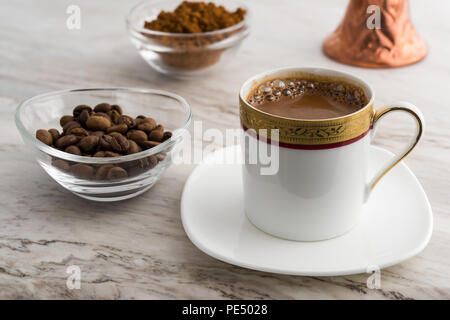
[[393, 43]]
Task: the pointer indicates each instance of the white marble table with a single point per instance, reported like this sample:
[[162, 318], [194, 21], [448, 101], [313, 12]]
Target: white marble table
[[138, 249]]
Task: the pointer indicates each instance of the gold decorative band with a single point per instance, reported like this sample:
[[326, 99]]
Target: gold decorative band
[[308, 132]]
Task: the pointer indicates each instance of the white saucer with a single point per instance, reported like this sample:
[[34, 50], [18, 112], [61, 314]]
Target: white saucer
[[398, 224]]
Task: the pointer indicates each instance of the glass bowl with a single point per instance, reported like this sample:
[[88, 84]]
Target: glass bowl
[[81, 174], [184, 54]]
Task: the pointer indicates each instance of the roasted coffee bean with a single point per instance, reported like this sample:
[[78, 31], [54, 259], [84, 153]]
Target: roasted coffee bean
[[149, 120], [117, 173], [84, 116], [126, 120], [122, 128], [114, 115], [82, 171], [149, 163], [152, 161], [105, 142], [112, 154], [102, 171], [99, 154], [102, 107], [102, 114], [132, 125], [167, 135], [132, 167], [97, 133], [78, 131], [142, 164], [66, 141], [133, 147], [116, 107], [73, 149], [64, 120], [149, 144], [61, 164], [146, 126], [44, 136], [137, 136], [70, 125], [96, 122], [157, 134], [160, 156], [139, 119], [115, 134], [89, 143], [54, 133], [119, 143], [78, 109]]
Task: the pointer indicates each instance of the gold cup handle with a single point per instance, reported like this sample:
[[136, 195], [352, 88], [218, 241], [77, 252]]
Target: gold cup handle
[[420, 121]]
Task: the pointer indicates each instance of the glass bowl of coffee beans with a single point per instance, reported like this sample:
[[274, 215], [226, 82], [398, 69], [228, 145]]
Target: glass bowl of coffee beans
[[188, 38], [104, 144]]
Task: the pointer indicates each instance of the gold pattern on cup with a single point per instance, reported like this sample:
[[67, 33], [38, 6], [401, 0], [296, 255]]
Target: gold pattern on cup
[[308, 132]]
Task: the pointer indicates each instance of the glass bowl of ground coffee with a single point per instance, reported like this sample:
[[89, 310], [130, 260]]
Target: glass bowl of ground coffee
[[187, 38], [104, 144]]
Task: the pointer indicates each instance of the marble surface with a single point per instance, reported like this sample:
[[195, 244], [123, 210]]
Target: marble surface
[[138, 249]]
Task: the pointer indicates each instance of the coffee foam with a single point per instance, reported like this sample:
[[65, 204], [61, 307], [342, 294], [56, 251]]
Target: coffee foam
[[280, 89]]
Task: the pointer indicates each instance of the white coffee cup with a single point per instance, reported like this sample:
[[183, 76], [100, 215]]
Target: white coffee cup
[[322, 183]]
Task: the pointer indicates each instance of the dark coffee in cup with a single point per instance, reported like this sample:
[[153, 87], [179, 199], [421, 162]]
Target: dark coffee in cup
[[307, 98]]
